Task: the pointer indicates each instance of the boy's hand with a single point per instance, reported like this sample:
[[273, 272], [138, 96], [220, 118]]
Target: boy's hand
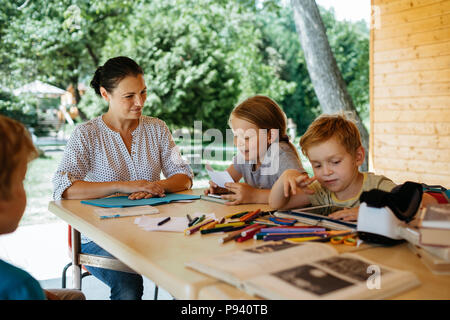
[[293, 179], [346, 214], [242, 193]]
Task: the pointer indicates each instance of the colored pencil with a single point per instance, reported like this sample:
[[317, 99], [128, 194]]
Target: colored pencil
[[295, 240], [230, 216], [230, 236], [293, 230], [196, 227], [250, 216], [163, 221], [230, 224], [248, 234], [199, 220], [251, 229], [223, 229], [190, 224], [285, 236], [210, 225], [244, 238]]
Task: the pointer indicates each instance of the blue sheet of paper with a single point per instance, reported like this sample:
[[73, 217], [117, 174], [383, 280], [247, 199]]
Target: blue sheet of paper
[[123, 201]]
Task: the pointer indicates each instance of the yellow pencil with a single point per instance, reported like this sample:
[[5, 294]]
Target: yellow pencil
[[230, 224], [295, 240]]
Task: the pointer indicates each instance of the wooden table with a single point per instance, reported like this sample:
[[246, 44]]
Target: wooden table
[[160, 256]]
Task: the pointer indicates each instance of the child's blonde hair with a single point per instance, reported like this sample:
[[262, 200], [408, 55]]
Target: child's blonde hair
[[266, 114], [16, 146], [328, 126]]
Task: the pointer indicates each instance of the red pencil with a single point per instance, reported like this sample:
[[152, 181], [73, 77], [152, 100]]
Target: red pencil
[[242, 239], [251, 228], [248, 235]]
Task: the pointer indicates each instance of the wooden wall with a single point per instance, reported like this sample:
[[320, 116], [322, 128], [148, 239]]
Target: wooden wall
[[410, 90]]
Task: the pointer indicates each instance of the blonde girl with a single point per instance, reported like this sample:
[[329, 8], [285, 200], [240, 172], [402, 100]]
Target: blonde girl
[[264, 151]]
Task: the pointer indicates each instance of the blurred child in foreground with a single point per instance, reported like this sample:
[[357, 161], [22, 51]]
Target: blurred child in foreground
[[16, 150]]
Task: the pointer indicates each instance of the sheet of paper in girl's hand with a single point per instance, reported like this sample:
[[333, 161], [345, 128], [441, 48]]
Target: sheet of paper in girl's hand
[[219, 177], [175, 224]]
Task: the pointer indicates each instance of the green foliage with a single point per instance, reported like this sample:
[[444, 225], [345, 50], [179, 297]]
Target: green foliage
[[279, 32], [200, 58], [92, 105], [58, 41], [350, 45], [21, 109]]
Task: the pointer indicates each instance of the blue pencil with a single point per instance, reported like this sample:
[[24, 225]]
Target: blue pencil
[[286, 236]]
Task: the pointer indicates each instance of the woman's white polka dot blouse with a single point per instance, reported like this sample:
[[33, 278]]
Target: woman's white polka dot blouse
[[96, 153]]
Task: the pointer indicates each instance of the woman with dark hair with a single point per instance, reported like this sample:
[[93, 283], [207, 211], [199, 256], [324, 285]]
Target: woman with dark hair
[[121, 151]]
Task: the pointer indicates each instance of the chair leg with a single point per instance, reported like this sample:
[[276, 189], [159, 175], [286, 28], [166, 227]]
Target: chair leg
[[63, 278], [156, 293], [85, 274], [76, 266]]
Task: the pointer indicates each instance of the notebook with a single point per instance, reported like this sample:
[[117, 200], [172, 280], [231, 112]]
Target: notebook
[[123, 201]]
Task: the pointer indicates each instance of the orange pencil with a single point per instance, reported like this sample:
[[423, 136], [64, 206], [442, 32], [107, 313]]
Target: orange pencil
[[250, 215], [209, 225]]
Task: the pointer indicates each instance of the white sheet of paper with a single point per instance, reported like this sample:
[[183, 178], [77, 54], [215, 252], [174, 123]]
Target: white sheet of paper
[[219, 177], [105, 213], [175, 224]]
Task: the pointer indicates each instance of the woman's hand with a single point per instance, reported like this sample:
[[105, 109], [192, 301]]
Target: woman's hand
[[242, 193], [345, 214], [140, 189], [293, 179]]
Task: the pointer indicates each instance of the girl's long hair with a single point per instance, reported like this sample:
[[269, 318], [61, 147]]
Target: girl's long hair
[[265, 113]]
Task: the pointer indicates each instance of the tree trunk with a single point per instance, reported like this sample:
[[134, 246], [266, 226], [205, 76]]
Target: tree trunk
[[325, 75], [77, 96]]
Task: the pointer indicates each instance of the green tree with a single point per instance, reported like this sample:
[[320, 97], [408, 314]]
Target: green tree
[[23, 109], [327, 79], [58, 41], [350, 45], [200, 59]]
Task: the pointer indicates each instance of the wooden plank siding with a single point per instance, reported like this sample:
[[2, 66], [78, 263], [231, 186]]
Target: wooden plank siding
[[410, 90]]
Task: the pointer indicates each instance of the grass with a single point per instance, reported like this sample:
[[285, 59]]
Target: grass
[[39, 188]]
